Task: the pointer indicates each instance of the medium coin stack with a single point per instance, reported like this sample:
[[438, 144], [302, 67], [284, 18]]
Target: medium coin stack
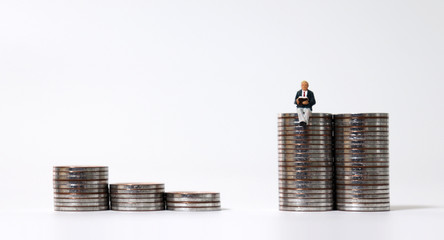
[[305, 163], [362, 162], [80, 188], [193, 201], [137, 196]]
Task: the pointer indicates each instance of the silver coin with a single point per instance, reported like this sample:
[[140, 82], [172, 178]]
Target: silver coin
[[318, 204], [358, 177], [130, 200], [306, 146], [309, 128], [92, 191], [361, 115], [362, 159], [79, 182], [306, 174], [305, 209], [137, 209], [77, 209], [305, 186], [137, 204], [293, 157], [194, 209], [360, 209], [362, 164], [185, 199], [189, 204], [307, 178], [284, 201], [192, 194], [326, 152], [306, 191], [364, 169], [304, 138], [374, 187], [360, 200], [313, 115], [83, 174], [372, 128], [368, 205], [361, 191], [80, 186], [305, 164], [363, 182], [305, 141], [361, 150], [141, 191], [308, 169], [75, 195], [362, 173], [80, 168], [303, 196], [82, 178], [137, 186], [86, 200], [380, 195], [80, 204], [361, 138], [133, 195], [361, 146]]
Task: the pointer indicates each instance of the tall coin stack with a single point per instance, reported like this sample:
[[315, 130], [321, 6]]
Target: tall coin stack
[[305, 163], [362, 162], [137, 196], [193, 201], [80, 188]]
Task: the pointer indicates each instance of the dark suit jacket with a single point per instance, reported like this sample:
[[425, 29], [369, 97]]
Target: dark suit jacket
[[311, 99]]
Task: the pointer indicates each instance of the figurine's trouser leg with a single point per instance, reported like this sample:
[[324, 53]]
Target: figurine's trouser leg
[[304, 114]]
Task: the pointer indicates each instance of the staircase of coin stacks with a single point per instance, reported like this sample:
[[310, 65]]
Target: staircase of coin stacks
[[337, 162]]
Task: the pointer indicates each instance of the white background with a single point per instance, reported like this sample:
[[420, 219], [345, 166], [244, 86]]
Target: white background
[[187, 93]]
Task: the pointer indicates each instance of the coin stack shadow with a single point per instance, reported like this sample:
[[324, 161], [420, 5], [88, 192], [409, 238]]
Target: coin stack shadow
[[193, 201], [305, 163], [80, 188], [137, 196], [362, 162]]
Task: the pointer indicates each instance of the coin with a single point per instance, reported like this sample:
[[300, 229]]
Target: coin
[[136, 186], [193, 204], [80, 168], [194, 209], [363, 209], [80, 195], [130, 200], [137, 195], [153, 190], [77, 209], [137, 204], [305, 209], [136, 209]]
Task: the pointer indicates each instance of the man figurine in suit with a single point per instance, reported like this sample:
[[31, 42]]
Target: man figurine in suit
[[304, 101]]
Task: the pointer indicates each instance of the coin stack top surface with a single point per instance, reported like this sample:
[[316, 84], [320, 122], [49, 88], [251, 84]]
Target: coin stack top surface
[[80, 188], [362, 162], [193, 201], [137, 196], [305, 163]]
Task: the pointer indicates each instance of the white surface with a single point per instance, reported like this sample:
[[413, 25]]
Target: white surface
[[404, 222], [187, 93]]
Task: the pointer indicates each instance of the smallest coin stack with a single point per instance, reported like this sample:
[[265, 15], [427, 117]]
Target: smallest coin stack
[[80, 188], [137, 196], [193, 201]]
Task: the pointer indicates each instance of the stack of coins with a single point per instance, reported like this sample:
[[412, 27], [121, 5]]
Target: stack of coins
[[80, 188], [362, 162], [137, 196], [193, 201], [305, 163]]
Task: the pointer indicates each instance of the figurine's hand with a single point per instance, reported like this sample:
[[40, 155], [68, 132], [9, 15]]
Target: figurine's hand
[[305, 102], [297, 101]]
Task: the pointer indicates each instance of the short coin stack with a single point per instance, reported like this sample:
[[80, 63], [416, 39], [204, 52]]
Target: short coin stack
[[362, 162], [137, 196], [305, 163], [80, 188], [193, 201]]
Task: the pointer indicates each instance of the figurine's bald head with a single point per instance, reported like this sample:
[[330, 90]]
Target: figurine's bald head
[[304, 85]]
